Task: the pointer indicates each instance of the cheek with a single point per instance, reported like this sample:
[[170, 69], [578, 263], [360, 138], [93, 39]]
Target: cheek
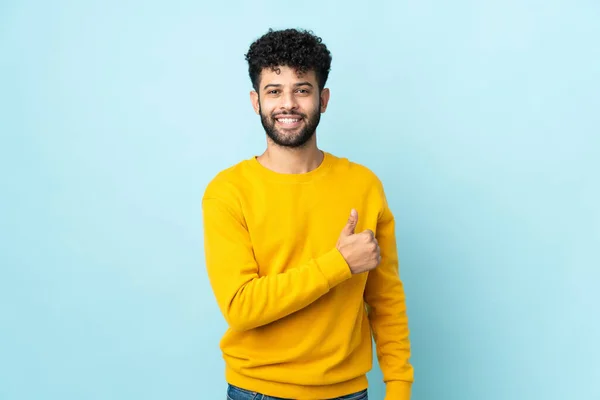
[[312, 105], [266, 107]]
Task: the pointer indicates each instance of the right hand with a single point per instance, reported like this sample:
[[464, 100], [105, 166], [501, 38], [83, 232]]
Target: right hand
[[360, 250]]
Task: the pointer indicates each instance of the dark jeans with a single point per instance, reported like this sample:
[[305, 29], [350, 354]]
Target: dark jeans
[[236, 393]]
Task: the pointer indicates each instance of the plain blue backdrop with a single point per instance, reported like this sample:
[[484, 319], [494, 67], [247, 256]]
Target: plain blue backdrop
[[480, 117]]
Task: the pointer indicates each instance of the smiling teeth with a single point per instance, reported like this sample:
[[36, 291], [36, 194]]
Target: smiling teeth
[[288, 120]]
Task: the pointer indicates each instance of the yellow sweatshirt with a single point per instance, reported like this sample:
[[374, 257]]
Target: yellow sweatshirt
[[299, 321]]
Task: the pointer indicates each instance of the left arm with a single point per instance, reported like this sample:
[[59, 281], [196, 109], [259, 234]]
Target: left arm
[[384, 295]]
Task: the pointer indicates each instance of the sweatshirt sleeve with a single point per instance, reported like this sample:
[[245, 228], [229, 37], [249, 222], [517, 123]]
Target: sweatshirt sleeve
[[246, 299], [384, 295]]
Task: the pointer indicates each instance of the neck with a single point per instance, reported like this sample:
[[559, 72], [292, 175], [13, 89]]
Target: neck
[[285, 160]]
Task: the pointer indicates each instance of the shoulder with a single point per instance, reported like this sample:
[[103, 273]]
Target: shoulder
[[357, 172], [225, 184]]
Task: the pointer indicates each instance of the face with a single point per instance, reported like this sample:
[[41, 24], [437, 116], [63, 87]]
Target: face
[[289, 105]]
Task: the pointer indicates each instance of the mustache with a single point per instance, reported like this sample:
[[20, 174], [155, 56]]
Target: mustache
[[275, 115]]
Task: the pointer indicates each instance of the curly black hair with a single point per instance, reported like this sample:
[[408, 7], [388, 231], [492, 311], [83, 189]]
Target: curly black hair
[[294, 48]]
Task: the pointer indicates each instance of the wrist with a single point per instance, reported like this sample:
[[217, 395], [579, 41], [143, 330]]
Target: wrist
[[398, 390]]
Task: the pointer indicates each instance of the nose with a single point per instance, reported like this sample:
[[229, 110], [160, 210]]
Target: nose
[[288, 101]]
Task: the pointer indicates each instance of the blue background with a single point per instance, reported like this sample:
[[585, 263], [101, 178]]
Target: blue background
[[481, 118]]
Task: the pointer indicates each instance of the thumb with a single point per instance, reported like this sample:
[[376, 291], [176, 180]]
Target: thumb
[[351, 224]]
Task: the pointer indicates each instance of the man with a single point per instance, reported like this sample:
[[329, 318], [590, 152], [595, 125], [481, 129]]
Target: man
[[300, 248]]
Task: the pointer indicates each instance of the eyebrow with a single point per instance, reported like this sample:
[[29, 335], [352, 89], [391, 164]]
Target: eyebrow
[[303, 84], [279, 85]]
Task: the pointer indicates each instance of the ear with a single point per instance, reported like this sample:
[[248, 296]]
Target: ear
[[255, 101], [324, 99]]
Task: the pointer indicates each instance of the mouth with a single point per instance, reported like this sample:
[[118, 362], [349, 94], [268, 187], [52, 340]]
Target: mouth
[[289, 121]]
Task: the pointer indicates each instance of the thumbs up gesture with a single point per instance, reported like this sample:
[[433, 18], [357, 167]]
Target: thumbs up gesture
[[360, 250]]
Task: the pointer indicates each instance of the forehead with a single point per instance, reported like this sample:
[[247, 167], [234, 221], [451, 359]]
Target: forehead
[[284, 75]]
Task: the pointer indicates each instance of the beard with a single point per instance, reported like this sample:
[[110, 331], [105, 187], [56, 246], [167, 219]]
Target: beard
[[291, 138]]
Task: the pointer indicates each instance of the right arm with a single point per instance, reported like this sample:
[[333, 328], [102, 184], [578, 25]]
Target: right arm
[[246, 300]]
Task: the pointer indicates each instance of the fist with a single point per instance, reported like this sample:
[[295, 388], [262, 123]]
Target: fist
[[360, 250]]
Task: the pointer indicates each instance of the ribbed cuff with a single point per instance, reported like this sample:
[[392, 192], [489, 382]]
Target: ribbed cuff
[[398, 390], [334, 267]]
